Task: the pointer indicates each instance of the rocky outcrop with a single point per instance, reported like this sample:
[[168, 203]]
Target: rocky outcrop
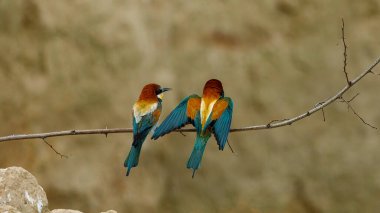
[[19, 189], [20, 192], [9, 209]]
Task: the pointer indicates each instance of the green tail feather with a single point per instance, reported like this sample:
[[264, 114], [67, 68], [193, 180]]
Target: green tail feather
[[197, 153], [133, 157]]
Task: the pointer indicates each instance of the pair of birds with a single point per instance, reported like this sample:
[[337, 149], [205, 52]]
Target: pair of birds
[[209, 114]]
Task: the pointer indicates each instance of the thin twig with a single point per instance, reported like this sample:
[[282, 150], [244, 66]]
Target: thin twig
[[353, 98], [183, 134], [357, 115], [229, 145], [323, 111], [345, 54], [58, 153], [349, 101]]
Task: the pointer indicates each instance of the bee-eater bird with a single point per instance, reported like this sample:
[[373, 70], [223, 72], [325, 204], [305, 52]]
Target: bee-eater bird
[[146, 112], [211, 113]]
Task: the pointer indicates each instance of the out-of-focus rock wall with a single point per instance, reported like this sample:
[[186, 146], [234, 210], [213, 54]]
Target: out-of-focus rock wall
[[81, 65]]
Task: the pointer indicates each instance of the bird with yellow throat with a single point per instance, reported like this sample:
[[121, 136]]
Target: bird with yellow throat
[[209, 114], [146, 112]]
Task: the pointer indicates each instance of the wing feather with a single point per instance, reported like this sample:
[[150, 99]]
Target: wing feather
[[222, 115], [143, 127], [179, 117]]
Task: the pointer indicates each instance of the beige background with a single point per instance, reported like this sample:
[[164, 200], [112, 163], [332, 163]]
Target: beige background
[[81, 65]]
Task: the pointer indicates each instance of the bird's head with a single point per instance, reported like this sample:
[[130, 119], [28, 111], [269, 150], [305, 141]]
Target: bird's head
[[160, 92], [213, 87], [152, 91]]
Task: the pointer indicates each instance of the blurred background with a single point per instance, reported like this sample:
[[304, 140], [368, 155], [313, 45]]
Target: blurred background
[[81, 65]]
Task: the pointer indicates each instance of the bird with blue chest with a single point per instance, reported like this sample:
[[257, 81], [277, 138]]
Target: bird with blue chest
[[209, 114], [146, 112]]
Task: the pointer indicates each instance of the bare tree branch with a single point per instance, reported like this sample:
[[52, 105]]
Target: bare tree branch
[[353, 111], [58, 153], [374, 73], [276, 121], [229, 145], [357, 94], [345, 54], [270, 125], [183, 134], [349, 101], [323, 111]]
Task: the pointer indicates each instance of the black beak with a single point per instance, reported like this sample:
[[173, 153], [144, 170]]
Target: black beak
[[165, 89]]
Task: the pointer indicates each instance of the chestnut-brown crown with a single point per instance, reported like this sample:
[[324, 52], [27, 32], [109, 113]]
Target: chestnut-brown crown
[[149, 92], [213, 86]]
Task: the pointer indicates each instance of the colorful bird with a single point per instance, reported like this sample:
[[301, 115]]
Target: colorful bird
[[146, 112], [210, 114]]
